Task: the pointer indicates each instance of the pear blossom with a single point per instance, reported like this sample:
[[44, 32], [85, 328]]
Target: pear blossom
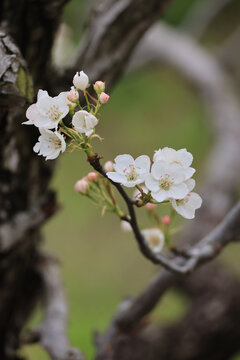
[[99, 86], [130, 172], [166, 181], [47, 111], [104, 98], [82, 186], [181, 157], [84, 122], [186, 207], [50, 144], [154, 238], [80, 81]]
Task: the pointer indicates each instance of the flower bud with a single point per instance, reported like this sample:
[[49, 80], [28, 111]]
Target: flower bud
[[125, 226], [81, 186], [104, 97], [108, 166], [150, 206], [166, 220], [99, 86], [80, 81], [92, 176], [72, 95]]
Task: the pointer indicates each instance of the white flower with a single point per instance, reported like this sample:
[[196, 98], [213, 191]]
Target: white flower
[[48, 111], [130, 172], [80, 81], [154, 238], [50, 144], [84, 122], [187, 206], [166, 181], [181, 157]]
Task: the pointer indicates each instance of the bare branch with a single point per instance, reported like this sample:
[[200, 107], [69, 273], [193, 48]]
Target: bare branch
[[111, 36], [131, 313], [52, 333]]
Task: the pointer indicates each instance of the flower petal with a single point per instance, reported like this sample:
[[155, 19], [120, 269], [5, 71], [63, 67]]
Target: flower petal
[[185, 157], [195, 200], [123, 161], [159, 169], [188, 172], [190, 184], [178, 191], [143, 163], [160, 195], [184, 210], [114, 176], [151, 183]]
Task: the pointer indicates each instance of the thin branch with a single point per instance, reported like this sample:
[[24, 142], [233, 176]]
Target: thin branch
[[198, 254], [208, 248]]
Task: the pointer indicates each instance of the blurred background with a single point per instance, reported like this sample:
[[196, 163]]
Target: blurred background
[[150, 108]]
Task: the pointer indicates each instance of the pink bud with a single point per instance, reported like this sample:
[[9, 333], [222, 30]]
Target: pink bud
[[99, 86], [104, 97], [92, 176], [150, 207], [81, 186], [72, 96], [108, 166], [166, 220]]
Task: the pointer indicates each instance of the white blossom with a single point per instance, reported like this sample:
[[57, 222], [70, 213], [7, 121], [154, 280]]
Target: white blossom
[[130, 172], [84, 122], [166, 181], [186, 207], [50, 144], [154, 238], [47, 111], [80, 81], [181, 157]]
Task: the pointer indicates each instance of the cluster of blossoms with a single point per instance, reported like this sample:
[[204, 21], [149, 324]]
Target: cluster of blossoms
[[167, 178], [48, 112]]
